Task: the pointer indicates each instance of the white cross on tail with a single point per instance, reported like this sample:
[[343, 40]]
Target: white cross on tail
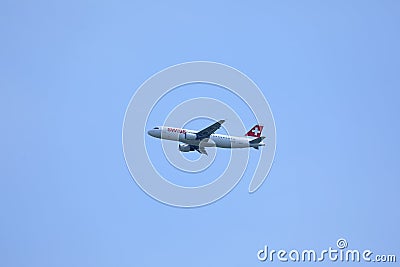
[[256, 131]]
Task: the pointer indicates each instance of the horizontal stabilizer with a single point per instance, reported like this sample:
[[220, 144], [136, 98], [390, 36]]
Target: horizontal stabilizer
[[257, 140]]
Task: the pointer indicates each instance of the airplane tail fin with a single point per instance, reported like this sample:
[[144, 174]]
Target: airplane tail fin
[[255, 131]]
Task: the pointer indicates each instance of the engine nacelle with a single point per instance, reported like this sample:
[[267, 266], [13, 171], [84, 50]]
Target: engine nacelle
[[190, 136], [185, 148]]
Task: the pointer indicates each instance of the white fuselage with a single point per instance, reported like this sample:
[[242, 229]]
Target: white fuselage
[[187, 136]]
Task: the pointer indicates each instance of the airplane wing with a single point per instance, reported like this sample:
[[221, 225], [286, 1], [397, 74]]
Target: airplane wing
[[201, 150], [205, 133]]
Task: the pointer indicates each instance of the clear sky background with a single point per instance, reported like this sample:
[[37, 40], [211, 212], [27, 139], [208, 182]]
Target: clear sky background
[[329, 69]]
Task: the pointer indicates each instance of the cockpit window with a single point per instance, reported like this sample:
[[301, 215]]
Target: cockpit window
[[156, 128]]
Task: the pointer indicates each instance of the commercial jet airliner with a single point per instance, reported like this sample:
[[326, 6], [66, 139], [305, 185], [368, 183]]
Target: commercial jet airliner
[[198, 140]]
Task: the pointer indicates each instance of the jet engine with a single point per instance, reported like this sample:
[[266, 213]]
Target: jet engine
[[185, 148], [190, 136]]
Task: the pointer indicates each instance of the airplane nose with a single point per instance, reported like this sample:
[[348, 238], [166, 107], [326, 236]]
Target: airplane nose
[[151, 133], [154, 132]]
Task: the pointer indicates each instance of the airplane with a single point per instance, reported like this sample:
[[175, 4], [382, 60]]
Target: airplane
[[198, 140]]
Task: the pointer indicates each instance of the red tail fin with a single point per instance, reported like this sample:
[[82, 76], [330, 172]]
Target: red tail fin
[[255, 131]]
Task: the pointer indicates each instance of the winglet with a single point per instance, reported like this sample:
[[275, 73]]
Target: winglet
[[221, 121]]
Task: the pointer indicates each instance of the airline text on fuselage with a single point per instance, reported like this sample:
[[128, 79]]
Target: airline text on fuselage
[[176, 130]]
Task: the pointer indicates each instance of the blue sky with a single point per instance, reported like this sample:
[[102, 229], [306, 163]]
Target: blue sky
[[329, 70]]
